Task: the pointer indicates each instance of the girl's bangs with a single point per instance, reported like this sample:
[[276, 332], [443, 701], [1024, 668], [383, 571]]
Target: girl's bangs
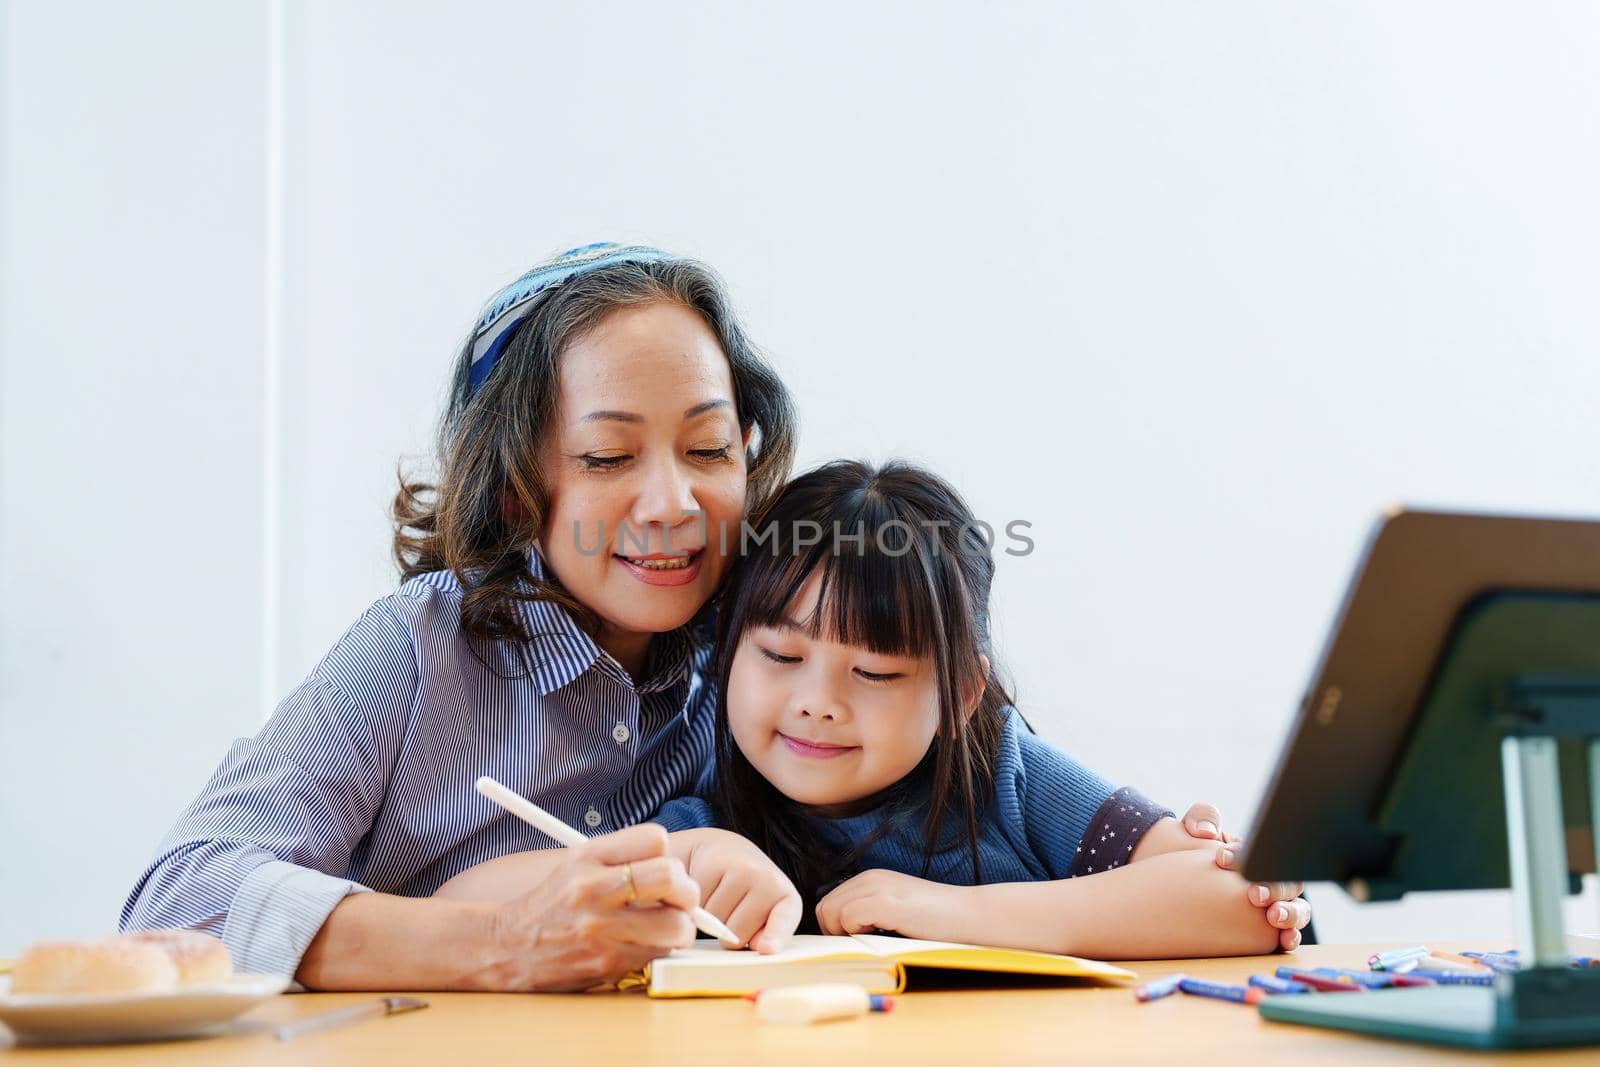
[[868, 597]]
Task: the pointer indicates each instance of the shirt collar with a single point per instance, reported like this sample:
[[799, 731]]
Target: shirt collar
[[560, 650]]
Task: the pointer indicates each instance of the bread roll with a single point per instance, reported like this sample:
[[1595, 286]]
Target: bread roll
[[200, 958], [111, 966]]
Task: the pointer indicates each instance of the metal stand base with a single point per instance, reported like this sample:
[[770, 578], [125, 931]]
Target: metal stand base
[[1549, 1003], [1540, 1008]]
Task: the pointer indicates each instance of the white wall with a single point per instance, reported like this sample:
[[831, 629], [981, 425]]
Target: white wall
[[131, 184], [1193, 288]]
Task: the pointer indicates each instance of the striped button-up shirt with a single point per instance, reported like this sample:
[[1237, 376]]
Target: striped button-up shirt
[[362, 779]]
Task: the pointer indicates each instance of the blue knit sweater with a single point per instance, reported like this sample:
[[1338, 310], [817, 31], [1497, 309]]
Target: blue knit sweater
[[1050, 817]]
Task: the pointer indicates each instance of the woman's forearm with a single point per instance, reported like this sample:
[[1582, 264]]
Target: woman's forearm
[[378, 941], [506, 877], [1178, 905]]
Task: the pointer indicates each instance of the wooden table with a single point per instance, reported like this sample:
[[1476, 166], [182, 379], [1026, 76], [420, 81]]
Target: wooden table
[[1033, 1026]]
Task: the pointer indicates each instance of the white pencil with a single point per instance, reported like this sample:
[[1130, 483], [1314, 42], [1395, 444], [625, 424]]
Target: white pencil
[[542, 820]]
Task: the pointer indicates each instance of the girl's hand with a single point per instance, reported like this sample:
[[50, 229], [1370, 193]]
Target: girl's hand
[[1284, 907], [1203, 823], [888, 900], [742, 887], [602, 912]]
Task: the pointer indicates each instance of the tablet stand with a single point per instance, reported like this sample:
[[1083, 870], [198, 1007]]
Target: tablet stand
[[1531, 708]]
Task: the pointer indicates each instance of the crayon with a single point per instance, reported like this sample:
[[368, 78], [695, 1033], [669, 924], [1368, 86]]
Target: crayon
[[1457, 977], [1376, 979], [1457, 958], [1500, 961], [1160, 987], [1221, 991], [1383, 961], [1274, 985], [1510, 960], [1322, 983]]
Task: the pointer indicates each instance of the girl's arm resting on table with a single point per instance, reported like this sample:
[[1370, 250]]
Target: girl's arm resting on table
[[1177, 905], [1278, 900], [1166, 836]]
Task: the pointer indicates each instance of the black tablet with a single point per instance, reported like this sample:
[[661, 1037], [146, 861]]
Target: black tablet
[[1390, 780]]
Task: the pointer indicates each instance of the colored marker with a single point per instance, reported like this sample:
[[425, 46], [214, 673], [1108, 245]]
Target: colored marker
[[1374, 979], [1500, 961], [1457, 977], [1457, 958], [1322, 983], [1509, 960], [1161, 987], [1364, 979], [816, 1003], [1277, 985], [1384, 961], [1221, 991]]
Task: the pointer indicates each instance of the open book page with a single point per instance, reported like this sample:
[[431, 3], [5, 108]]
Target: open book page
[[802, 947], [875, 962], [928, 953], [953, 956], [882, 945]]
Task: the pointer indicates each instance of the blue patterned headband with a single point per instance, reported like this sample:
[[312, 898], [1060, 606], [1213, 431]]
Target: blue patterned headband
[[512, 304]]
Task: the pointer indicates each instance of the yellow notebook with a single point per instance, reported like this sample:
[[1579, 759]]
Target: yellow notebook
[[872, 961]]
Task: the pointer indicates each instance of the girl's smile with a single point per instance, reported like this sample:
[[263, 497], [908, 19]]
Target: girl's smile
[[815, 749]]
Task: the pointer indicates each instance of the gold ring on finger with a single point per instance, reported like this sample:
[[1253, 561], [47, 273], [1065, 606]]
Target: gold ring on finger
[[627, 882]]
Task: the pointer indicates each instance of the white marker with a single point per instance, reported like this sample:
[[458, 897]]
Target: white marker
[[543, 821], [817, 1003]]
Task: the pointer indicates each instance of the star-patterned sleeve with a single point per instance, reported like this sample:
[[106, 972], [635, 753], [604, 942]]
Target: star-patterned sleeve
[[1114, 831], [1060, 809]]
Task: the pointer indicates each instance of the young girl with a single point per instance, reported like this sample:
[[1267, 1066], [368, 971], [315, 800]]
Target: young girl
[[866, 745]]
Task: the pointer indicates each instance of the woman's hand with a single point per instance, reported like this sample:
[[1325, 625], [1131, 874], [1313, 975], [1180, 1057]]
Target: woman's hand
[[602, 912], [888, 900], [741, 886], [1285, 908]]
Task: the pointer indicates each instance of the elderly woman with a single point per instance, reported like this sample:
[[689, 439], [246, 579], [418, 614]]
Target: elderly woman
[[608, 419]]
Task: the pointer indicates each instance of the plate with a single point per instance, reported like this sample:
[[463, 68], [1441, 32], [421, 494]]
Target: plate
[[85, 1018]]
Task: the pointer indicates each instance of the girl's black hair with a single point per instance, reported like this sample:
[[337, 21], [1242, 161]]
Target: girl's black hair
[[905, 570]]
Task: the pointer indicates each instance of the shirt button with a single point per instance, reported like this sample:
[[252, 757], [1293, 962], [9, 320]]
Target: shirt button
[[621, 733], [592, 817]]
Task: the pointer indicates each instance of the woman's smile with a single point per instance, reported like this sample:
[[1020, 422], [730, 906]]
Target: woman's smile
[[664, 568]]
